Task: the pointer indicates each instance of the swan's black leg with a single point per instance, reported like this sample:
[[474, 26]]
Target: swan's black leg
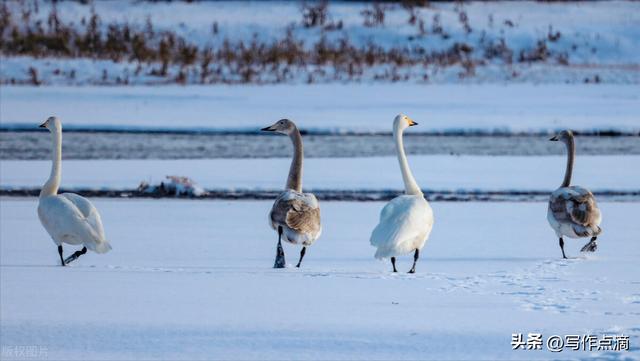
[[591, 246], [60, 253], [562, 247], [302, 252], [75, 255], [280, 262], [393, 262], [415, 260]]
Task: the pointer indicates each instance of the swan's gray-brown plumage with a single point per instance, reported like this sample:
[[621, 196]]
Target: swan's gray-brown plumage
[[576, 206], [298, 214], [573, 211], [295, 215]]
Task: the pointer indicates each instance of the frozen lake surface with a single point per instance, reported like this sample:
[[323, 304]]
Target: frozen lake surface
[[332, 108], [115, 145], [193, 280], [433, 172]]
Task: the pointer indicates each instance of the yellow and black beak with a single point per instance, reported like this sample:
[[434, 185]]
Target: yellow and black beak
[[43, 125], [411, 122]]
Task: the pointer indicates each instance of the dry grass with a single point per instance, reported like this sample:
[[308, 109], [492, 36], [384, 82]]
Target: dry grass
[[164, 54]]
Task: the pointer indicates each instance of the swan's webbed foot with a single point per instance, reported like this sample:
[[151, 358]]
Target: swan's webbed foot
[[75, 255], [562, 248], [302, 252], [60, 253], [280, 262], [393, 263], [591, 246], [415, 260]]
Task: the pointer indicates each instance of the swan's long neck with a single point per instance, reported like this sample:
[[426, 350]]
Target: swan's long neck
[[571, 153], [294, 181], [410, 185], [52, 184]]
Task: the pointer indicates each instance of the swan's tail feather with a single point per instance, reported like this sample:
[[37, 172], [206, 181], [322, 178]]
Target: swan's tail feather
[[102, 247], [383, 252]]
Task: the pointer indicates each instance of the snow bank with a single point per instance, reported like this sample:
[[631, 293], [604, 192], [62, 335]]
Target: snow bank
[[173, 185], [598, 39]]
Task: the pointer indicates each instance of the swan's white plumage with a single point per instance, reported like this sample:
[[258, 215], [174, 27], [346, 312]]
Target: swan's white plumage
[[405, 224], [68, 217], [72, 219], [307, 198]]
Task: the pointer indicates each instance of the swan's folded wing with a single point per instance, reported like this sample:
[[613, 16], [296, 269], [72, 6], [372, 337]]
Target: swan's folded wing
[[583, 208], [576, 205], [64, 221], [390, 209], [401, 220], [88, 211], [84, 206], [303, 217], [558, 207], [298, 211], [278, 214]]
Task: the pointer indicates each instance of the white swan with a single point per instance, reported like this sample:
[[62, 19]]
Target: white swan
[[573, 211], [68, 217], [294, 214], [406, 221]]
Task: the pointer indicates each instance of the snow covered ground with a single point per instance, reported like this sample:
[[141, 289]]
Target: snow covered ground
[[92, 72], [193, 280], [525, 108], [374, 173], [608, 26], [597, 38]]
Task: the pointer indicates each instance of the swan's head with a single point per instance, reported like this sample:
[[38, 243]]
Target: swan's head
[[564, 136], [282, 126], [403, 122], [52, 123]]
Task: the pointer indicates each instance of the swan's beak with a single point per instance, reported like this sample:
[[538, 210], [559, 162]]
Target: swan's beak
[[412, 123], [43, 125], [268, 129], [554, 139]]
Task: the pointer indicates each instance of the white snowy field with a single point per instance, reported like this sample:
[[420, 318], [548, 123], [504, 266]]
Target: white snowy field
[[597, 38], [437, 172], [330, 107], [193, 280], [609, 27]]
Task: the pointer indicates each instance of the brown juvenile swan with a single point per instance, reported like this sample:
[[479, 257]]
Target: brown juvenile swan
[[573, 211], [294, 214]]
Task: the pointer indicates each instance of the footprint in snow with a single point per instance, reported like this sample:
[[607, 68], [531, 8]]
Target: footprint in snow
[[632, 299]]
